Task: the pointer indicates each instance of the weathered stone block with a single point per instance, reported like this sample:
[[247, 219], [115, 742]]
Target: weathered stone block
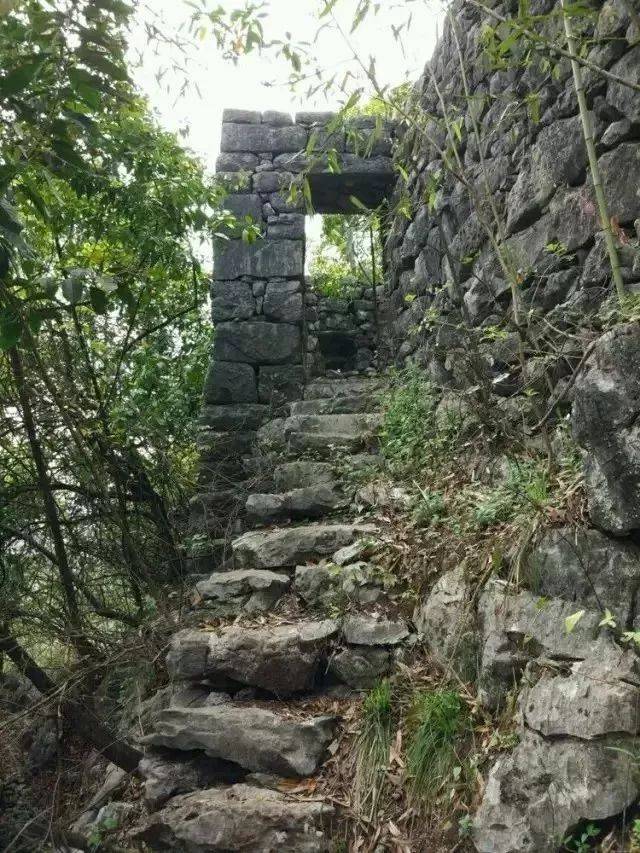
[[232, 300], [281, 384], [241, 116], [258, 343], [244, 204], [263, 137], [283, 302], [230, 383], [263, 259], [618, 169], [239, 162], [287, 226], [276, 119], [272, 182], [233, 418], [624, 99]]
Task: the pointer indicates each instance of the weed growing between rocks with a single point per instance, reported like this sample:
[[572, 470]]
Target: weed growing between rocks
[[438, 719], [372, 749]]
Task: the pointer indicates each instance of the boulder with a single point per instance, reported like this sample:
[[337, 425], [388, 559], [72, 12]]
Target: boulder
[[544, 787], [520, 627], [447, 622], [248, 590], [237, 820], [588, 568], [314, 584], [294, 545], [623, 195], [257, 343], [251, 737], [606, 424], [362, 630], [281, 658]]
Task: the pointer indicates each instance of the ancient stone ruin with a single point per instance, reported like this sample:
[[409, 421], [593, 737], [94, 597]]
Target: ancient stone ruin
[[278, 516]]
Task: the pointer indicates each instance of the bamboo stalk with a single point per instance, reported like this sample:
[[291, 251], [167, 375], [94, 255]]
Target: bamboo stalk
[[587, 130]]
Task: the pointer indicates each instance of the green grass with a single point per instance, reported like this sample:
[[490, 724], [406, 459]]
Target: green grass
[[438, 718], [372, 749]]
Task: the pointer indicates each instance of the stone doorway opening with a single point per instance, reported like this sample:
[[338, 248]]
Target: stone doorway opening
[[342, 270]]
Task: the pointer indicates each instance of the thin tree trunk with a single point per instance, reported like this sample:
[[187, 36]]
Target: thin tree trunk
[[587, 129], [83, 721], [50, 507]]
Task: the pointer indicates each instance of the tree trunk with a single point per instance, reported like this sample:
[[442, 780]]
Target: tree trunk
[[80, 716]]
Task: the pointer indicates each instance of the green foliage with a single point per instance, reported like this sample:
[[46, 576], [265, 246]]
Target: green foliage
[[584, 841], [411, 434], [372, 748], [525, 489], [428, 508], [348, 256], [438, 721]]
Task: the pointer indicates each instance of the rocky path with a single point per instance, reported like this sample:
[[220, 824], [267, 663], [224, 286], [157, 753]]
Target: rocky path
[[294, 616]]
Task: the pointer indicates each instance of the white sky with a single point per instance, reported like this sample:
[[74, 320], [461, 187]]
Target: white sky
[[222, 84]]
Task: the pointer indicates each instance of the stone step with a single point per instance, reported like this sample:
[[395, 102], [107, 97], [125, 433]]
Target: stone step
[[301, 474], [250, 590], [292, 546], [308, 502], [348, 386], [324, 433], [282, 659], [348, 404], [252, 737], [238, 819]]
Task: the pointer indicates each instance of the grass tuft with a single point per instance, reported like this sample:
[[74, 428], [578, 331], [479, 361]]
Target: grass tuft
[[372, 749], [438, 719]]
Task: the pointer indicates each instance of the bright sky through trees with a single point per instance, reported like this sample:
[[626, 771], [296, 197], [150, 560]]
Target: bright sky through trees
[[222, 84]]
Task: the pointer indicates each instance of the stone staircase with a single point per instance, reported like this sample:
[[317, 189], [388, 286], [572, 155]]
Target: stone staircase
[[265, 648]]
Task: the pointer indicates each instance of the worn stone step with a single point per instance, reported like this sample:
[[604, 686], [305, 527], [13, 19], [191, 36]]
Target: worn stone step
[[308, 502], [348, 404], [238, 819], [302, 473], [283, 659], [242, 589], [252, 737], [324, 388], [291, 546], [323, 433]]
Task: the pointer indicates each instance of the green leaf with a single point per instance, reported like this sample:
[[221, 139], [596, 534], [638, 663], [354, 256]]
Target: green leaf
[[9, 220], [101, 63], [36, 200], [66, 152], [571, 621], [10, 329], [72, 289], [99, 300], [18, 80]]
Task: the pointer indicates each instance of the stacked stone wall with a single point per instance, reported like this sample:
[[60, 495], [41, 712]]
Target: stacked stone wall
[[531, 165]]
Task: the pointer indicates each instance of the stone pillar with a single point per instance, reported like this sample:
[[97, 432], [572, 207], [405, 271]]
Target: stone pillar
[[257, 293]]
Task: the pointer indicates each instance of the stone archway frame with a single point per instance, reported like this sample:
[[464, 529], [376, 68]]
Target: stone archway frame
[[258, 290]]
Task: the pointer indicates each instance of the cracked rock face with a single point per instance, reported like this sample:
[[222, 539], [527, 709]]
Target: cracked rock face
[[576, 759], [585, 567], [282, 659], [606, 424], [239, 818], [254, 738]]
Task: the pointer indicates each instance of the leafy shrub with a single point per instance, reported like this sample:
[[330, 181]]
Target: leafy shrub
[[409, 423], [526, 487]]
